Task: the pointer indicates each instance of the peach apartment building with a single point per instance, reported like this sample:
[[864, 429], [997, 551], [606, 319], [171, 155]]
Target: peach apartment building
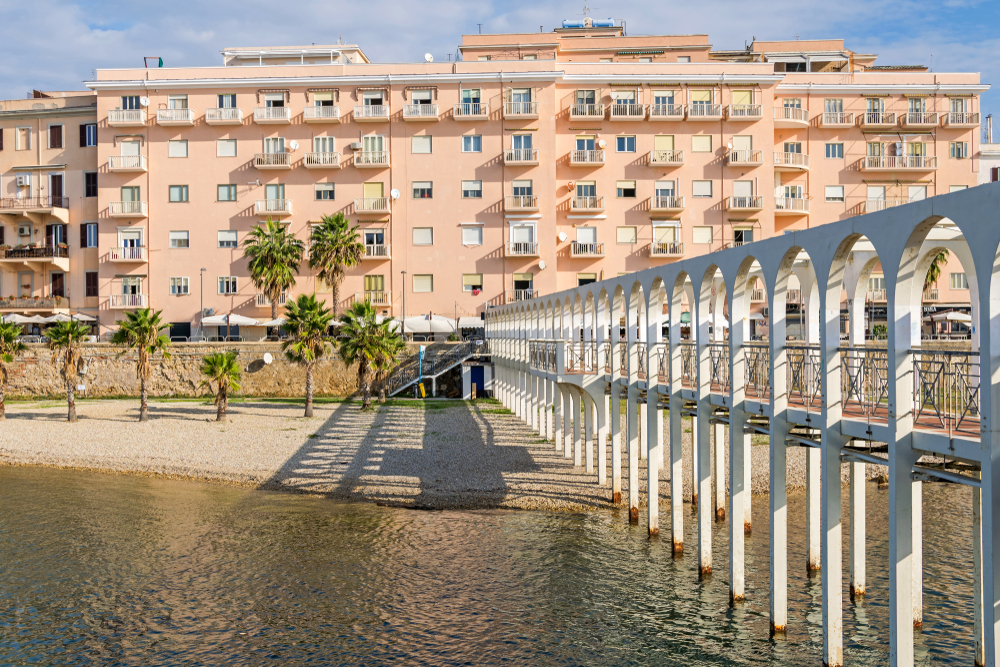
[[534, 162]]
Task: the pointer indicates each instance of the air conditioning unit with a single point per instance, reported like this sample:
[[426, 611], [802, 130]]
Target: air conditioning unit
[[24, 230], [207, 312], [23, 180], [765, 311], [355, 146]]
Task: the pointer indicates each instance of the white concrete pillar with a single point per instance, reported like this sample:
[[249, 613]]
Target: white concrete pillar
[[832, 557], [558, 424], [615, 414], [917, 569], [653, 461], [588, 436], [856, 504], [813, 489], [661, 435], [747, 485], [602, 440], [695, 462], [979, 656], [569, 420], [577, 424], [643, 420], [632, 423], [718, 445]]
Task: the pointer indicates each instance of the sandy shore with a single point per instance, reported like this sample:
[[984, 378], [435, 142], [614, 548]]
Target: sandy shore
[[460, 456]]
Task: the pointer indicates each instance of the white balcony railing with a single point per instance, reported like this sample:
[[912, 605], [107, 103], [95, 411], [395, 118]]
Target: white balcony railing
[[579, 249], [520, 109], [745, 203], [127, 163], [745, 156], [878, 118], [272, 160], [589, 203], [522, 248], [128, 300], [471, 110], [666, 249], [185, 116], [372, 204], [371, 111], [420, 111], [666, 111], [587, 157], [371, 159], [701, 111], [127, 208], [873, 205], [314, 113], [892, 162], [323, 159], [272, 114], [932, 294], [666, 203], [126, 117], [876, 295], [377, 297], [837, 118], [520, 294], [525, 155], [962, 118], [920, 118], [224, 116], [745, 111], [586, 111], [279, 206], [127, 254], [377, 251], [666, 157], [795, 114], [628, 111], [520, 202], [261, 300], [798, 160], [791, 204]]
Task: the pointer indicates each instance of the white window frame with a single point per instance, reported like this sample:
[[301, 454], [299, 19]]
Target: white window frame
[[230, 287], [227, 232], [423, 275], [171, 239], [413, 236], [472, 138], [474, 188], [421, 137], [182, 287], [178, 142], [478, 229], [827, 190], [219, 143]]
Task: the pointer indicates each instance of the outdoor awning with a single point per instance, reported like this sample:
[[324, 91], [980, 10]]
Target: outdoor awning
[[231, 320], [429, 324], [273, 323], [470, 323]]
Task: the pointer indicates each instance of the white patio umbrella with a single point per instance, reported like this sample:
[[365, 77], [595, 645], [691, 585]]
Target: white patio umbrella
[[429, 324], [273, 323], [470, 323], [952, 316], [14, 318], [80, 317], [231, 320]]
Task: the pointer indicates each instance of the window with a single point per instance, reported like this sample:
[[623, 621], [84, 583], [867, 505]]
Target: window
[[876, 283], [177, 148], [422, 144], [274, 99], [958, 188], [179, 240], [471, 143], [324, 191], [701, 234], [472, 235], [835, 193], [131, 193], [683, 59], [917, 192], [472, 189], [627, 235], [225, 148], [701, 143], [835, 150], [795, 67], [88, 135], [833, 105], [585, 279], [423, 236], [227, 101], [522, 188], [959, 281], [180, 286], [90, 278], [701, 188], [586, 235], [88, 235], [472, 96], [178, 193], [177, 101], [645, 60], [626, 144], [472, 281], [607, 60], [423, 282], [227, 192], [274, 191], [22, 138], [90, 184], [626, 189], [423, 189], [55, 136], [959, 149], [227, 238], [530, 56], [227, 285], [483, 59]]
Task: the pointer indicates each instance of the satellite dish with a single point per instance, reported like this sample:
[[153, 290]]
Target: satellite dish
[[144, 101], [428, 57], [294, 145], [562, 236], [255, 365], [602, 143], [729, 145], [394, 193], [541, 265], [268, 358]]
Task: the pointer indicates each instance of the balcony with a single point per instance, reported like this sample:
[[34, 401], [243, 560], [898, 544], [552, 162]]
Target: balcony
[[371, 159], [835, 119], [128, 254], [35, 259], [371, 113], [758, 295], [666, 204], [666, 249], [275, 207], [172, 117], [586, 158], [666, 158], [127, 209], [791, 206], [327, 114], [123, 301], [23, 303], [371, 205], [587, 204], [932, 294], [666, 112], [628, 111], [376, 297], [873, 205], [961, 119], [261, 300], [586, 112], [705, 112], [522, 249], [322, 161], [791, 162], [900, 163], [790, 117], [525, 110], [877, 120], [272, 160], [127, 163], [471, 111], [272, 115], [745, 203], [578, 249], [419, 112], [127, 117], [512, 295], [377, 251], [920, 120], [875, 295], [224, 116], [745, 158], [514, 203], [521, 156], [749, 112]]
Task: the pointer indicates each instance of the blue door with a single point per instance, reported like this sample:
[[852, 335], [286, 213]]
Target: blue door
[[479, 380]]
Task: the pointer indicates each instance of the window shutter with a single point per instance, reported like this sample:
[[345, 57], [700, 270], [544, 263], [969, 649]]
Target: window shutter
[[1, 236], [55, 136], [83, 236], [1, 139], [83, 136], [702, 235]]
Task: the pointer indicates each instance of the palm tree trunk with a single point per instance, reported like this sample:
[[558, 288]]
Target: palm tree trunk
[[309, 389], [220, 414], [274, 308], [143, 404], [70, 402], [335, 287], [366, 388], [3, 401]]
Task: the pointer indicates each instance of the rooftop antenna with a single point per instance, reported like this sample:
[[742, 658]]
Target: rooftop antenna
[[586, 9], [480, 28]]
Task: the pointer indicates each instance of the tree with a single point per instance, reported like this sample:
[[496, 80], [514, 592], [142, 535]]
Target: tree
[[335, 247], [223, 368], [369, 344], [10, 347], [274, 256], [67, 337], [141, 332], [934, 270], [388, 357], [306, 323]]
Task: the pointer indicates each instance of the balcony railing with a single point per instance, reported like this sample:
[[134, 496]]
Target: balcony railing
[[327, 114], [420, 112], [272, 160], [932, 294], [224, 116], [961, 119], [745, 112], [877, 118], [274, 206], [586, 249], [872, 205], [745, 157], [376, 251], [371, 112], [628, 111], [920, 119], [371, 158], [705, 112], [745, 203], [666, 203], [586, 157], [372, 204], [522, 249], [127, 208], [323, 160], [377, 297], [666, 112], [127, 254], [520, 202], [797, 160], [875, 295], [128, 300], [791, 114], [666, 158], [521, 156], [791, 204], [586, 111], [22, 203], [666, 249], [514, 109], [587, 204], [127, 163], [34, 302], [896, 162], [471, 110], [758, 295], [261, 300], [45, 252], [837, 118], [512, 295], [175, 116], [126, 117], [272, 114]]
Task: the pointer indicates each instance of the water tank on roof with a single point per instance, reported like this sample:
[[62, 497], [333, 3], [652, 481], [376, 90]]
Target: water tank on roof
[[572, 24], [604, 23]]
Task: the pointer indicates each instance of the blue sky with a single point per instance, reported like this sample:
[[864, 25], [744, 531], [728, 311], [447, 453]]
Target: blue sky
[[55, 44]]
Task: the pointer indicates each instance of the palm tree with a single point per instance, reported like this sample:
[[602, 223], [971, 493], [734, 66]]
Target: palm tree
[[934, 270], [335, 247], [141, 332], [388, 357], [274, 256], [369, 344], [306, 323], [10, 347], [67, 337], [223, 369]]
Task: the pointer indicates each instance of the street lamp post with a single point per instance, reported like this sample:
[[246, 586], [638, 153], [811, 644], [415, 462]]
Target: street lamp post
[[201, 313], [402, 320]]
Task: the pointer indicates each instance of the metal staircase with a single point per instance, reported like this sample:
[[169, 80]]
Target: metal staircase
[[436, 363]]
